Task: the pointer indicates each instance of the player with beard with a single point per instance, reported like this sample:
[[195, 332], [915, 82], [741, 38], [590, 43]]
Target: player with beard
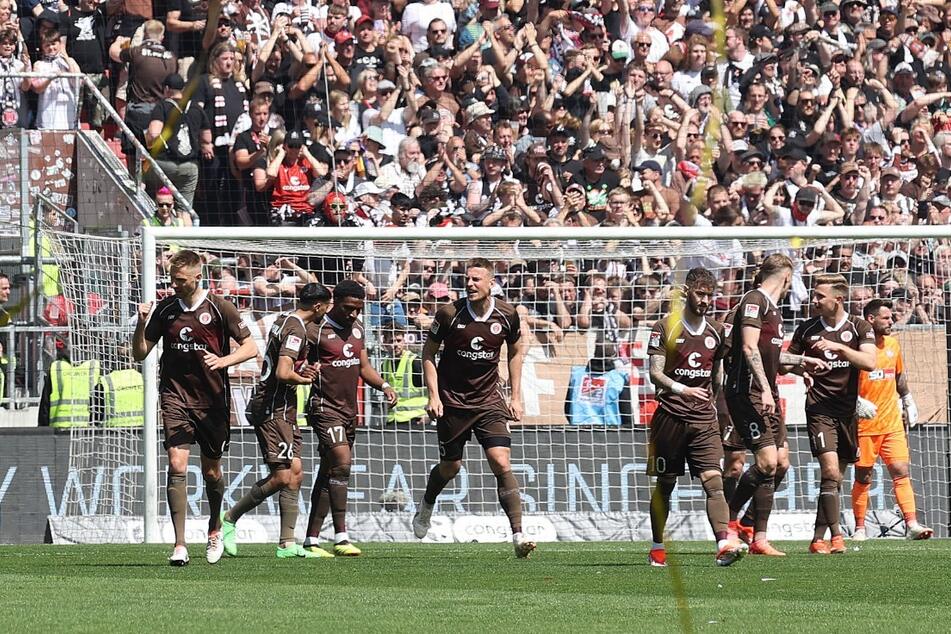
[[752, 395], [881, 432], [847, 343], [685, 352], [338, 344], [465, 393], [272, 411]]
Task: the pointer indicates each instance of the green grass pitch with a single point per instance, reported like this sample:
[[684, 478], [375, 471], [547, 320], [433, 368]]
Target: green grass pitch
[[882, 586]]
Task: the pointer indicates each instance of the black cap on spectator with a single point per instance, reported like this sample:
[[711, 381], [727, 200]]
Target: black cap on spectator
[[559, 130], [807, 195], [699, 27], [494, 153], [709, 73], [342, 154], [174, 82], [794, 152], [752, 153], [766, 58], [440, 52], [760, 31], [648, 165], [891, 10], [294, 139], [48, 16], [593, 153], [312, 110], [428, 115]]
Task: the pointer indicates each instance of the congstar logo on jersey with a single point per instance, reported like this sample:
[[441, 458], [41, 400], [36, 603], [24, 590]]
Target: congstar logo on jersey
[[694, 371], [186, 342], [476, 353], [349, 360], [834, 361]]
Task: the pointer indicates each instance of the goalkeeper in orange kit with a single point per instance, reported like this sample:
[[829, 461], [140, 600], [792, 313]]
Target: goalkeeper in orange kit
[[881, 432]]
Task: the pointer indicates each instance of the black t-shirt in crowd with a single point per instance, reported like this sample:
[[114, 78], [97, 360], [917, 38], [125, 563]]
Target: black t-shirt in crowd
[[235, 104], [195, 120], [187, 44], [86, 39]]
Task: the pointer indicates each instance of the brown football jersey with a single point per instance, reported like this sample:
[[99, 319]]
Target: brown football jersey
[[334, 392], [834, 392], [287, 338], [756, 309], [468, 368], [690, 357], [187, 334]]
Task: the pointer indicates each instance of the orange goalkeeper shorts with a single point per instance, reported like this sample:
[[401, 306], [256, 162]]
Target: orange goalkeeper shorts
[[892, 447]]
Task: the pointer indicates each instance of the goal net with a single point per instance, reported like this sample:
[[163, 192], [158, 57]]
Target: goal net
[[587, 299]]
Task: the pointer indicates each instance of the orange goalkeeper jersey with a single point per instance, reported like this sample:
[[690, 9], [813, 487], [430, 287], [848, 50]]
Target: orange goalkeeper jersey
[[881, 388]]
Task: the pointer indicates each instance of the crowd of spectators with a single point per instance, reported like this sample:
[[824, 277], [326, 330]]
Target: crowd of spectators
[[527, 113]]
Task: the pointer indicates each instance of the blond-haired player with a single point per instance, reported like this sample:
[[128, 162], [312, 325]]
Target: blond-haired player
[[881, 432]]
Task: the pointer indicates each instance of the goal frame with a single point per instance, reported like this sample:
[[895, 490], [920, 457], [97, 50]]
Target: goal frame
[[151, 235]]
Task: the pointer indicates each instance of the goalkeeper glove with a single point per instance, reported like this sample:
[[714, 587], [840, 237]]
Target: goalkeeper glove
[[865, 408], [911, 410]]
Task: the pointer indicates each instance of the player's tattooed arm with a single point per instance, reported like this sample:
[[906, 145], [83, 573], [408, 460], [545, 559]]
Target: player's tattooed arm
[[901, 383], [660, 380], [800, 364]]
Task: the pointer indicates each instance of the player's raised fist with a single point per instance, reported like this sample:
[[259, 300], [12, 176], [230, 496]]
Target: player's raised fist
[[144, 309]]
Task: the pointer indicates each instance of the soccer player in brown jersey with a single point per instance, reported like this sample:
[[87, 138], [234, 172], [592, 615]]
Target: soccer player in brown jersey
[[847, 344], [465, 395], [196, 329], [338, 343], [752, 395], [685, 367], [272, 410]]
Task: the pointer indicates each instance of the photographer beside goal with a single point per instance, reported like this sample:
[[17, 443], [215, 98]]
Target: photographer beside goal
[[880, 428]]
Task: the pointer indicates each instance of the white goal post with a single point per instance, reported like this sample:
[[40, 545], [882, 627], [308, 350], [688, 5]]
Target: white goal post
[[580, 479]]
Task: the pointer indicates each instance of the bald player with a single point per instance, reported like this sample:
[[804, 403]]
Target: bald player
[[465, 393]]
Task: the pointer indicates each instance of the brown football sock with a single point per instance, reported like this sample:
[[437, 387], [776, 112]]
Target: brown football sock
[[660, 507], [749, 482], [434, 485], [337, 483], [750, 515], [763, 498], [259, 492], [287, 503], [509, 498], [215, 492], [177, 495], [717, 510], [729, 487], [829, 501], [319, 501]]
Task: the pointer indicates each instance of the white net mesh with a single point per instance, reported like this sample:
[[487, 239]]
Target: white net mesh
[[587, 308]]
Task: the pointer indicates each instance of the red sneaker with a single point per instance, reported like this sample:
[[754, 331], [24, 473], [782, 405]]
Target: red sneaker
[[763, 547], [819, 547], [837, 545], [746, 534], [731, 552], [657, 558]]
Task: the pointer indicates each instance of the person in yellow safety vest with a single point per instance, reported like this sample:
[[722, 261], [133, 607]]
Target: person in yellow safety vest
[[70, 392], [123, 396], [49, 284], [404, 371], [303, 391]]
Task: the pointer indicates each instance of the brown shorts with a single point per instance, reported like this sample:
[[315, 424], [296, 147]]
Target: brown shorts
[[455, 427], [332, 432], [210, 428], [756, 428], [673, 440], [829, 433], [280, 440], [729, 435]]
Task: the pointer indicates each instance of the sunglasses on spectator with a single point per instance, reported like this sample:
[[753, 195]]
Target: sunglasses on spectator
[[876, 217], [693, 135], [829, 14], [755, 162], [645, 9], [655, 135], [739, 122], [807, 102], [777, 137], [437, 31], [439, 77], [643, 44], [164, 205]]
